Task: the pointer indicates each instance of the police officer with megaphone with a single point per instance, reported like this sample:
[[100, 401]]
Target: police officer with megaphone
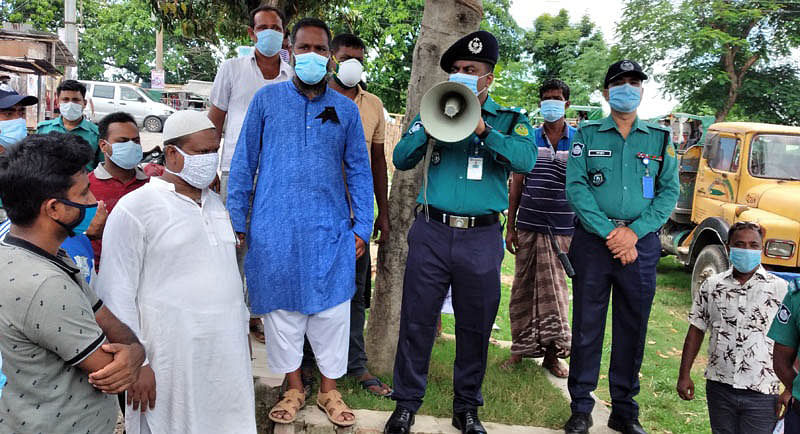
[[457, 239]]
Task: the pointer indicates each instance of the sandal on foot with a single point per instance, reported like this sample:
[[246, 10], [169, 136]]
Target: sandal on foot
[[333, 406], [376, 382], [292, 402], [556, 369]]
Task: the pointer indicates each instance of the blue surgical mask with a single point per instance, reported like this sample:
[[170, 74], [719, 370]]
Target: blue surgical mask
[[12, 132], [269, 42], [471, 81], [126, 154], [624, 98], [310, 67], [79, 226], [745, 260], [552, 109]]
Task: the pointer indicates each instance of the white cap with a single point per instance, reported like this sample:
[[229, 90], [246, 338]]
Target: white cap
[[185, 122]]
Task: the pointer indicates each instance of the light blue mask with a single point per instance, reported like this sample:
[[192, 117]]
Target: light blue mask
[[269, 42], [552, 109], [126, 154], [2, 377], [79, 226], [12, 132], [471, 81], [745, 260], [624, 98], [311, 67]]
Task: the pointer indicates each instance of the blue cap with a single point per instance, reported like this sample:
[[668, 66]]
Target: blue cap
[[9, 99]]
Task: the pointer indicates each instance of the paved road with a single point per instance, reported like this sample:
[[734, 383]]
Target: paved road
[[149, 140]]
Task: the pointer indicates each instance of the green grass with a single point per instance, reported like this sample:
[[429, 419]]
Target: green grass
[[662, 411], [523, 396]]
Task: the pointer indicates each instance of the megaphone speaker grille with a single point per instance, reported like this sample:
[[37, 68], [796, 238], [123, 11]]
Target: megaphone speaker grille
[[450, 112]]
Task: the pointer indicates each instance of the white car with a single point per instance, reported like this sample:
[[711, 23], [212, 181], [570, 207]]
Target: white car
[[105, 98]]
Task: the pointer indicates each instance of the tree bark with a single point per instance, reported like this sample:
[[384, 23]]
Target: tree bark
[[443, 22]]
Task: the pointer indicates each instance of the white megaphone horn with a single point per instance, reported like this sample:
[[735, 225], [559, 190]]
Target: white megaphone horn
[[450, 111]]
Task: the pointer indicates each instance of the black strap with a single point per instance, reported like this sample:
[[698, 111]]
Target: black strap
[[663, 153], [514, 120]]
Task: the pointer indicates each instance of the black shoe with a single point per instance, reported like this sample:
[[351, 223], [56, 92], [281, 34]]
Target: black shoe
[[468, 422], [625, 426], [578, 423], [399, 422]]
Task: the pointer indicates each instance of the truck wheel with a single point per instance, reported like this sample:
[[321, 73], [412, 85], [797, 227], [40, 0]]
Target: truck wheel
[[712, 259], [153, 124]]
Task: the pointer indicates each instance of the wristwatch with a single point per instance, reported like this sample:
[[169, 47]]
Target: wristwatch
[[488, 128]]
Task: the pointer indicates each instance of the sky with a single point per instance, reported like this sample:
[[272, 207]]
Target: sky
[[605, 14]]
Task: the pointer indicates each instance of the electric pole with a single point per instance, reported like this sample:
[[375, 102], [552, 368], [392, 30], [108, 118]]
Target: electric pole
[[71, 35]]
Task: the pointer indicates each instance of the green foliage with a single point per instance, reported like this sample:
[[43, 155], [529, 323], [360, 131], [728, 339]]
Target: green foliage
[[717, 51], [46, 15]]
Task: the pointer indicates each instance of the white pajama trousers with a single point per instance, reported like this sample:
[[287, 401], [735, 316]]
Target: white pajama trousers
[[328, 332]]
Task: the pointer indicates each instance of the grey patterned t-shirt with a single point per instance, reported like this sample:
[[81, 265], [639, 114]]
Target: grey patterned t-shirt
[[47, 327]]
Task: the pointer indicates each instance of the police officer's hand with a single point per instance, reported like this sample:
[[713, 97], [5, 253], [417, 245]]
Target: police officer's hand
[[481, 127], [512, 244], [621, 239], [361, 247], [627, 256], [782, 405], [685, 388]]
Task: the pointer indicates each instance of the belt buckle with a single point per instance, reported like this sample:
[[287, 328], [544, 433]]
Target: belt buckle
[[458, 222]]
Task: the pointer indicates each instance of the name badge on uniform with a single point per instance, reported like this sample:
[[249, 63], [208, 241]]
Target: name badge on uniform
[[475, 168], [647, 187], [599, 153]]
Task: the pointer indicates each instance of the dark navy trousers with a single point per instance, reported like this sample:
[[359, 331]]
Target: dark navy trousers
[[440, 256], [634, 285]]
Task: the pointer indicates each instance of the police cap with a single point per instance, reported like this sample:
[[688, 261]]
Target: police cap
[[623, 67], [480, 46]]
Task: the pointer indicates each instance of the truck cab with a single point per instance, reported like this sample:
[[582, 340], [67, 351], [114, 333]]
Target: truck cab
[[741, 172]]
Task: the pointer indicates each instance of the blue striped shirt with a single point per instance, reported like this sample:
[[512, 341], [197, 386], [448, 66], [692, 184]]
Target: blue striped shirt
[[544, 203]]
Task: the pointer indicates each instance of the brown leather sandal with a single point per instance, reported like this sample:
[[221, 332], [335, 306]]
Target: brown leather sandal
[[292, 402], [333, 406]]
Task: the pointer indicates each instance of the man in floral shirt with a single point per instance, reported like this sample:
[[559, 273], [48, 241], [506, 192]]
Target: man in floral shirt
[[736, 308]]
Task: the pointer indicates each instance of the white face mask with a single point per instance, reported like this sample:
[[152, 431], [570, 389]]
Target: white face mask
[[71, 111], [198, 170], [349, 72]]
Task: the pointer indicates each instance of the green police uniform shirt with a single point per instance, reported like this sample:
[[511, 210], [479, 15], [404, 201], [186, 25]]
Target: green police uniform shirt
[[508, 147], [785, 329], [86, 130], [605, 176]]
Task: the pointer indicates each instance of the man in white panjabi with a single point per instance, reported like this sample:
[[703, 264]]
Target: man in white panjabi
[[170, 273]]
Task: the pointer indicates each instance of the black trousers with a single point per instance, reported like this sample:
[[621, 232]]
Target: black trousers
[[440, 257]]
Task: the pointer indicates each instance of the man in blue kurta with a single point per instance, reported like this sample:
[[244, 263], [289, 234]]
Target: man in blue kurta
[[307, 145]]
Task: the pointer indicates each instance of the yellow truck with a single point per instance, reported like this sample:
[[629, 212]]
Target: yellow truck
[[741, 172]]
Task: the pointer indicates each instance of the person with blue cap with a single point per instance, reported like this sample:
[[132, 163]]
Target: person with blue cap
[[12, 117], [457, 241]]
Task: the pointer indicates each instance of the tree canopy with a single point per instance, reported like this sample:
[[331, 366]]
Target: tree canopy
[[719, 54]]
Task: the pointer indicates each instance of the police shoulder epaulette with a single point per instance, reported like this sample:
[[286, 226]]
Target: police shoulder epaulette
[[591, 123], [510, 109], [794, 286], [657, 126]]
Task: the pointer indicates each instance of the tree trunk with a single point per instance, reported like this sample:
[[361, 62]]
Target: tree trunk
[[736, 77], [443, 22]]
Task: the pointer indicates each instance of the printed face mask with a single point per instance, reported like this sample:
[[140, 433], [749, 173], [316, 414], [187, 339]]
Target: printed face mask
[[198, 170], [310, 67], [624, 98], [552, 109], [269, 42]]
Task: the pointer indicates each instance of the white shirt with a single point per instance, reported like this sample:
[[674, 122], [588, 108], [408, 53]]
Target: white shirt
[[170, 273], [236, 83], [737, 318]]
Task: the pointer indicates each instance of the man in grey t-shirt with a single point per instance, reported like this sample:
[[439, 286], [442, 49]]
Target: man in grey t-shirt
[[53, 328]]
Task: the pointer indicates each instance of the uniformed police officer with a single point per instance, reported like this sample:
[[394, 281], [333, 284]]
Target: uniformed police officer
[[458, 240], [785, 331], [622, 182]]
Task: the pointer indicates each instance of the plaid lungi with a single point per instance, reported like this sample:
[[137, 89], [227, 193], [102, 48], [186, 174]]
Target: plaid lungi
[[539, 304]]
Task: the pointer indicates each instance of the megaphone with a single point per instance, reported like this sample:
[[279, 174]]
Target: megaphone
[[450, 111]]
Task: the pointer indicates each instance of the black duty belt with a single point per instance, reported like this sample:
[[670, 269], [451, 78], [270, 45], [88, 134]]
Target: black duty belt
[[462, 222]]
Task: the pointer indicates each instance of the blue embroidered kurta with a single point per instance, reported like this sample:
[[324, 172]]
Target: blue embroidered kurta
[[301, 249]]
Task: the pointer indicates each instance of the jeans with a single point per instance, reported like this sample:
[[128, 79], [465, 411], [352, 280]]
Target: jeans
[[740, 411]]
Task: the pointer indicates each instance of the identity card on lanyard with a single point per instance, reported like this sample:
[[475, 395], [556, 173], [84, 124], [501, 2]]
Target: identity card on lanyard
[[475, 168]]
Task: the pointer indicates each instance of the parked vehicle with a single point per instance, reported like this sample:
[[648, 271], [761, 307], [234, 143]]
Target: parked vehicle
[[742, 172], [105, 98]]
